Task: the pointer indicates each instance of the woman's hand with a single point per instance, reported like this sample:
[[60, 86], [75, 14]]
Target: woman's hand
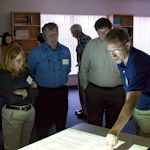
[[22, 92], [33, 85]]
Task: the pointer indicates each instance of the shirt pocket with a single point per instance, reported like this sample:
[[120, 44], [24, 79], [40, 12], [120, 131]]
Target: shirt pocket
[[54, 63]]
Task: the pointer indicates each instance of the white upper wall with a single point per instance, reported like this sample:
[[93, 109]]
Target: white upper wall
[[80, 7]]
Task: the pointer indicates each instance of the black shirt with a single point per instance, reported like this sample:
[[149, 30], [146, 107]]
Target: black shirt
[[9, 84]]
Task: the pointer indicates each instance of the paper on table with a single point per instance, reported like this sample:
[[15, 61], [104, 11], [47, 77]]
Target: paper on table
[[71, 139], [137, 147]]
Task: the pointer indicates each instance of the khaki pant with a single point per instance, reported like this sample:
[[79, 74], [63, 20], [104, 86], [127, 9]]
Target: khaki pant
[[17, 127], [142, 122]]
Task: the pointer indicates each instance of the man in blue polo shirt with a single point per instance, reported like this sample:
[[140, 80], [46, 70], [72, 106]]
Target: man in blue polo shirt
[[50, 64], [134, 67]]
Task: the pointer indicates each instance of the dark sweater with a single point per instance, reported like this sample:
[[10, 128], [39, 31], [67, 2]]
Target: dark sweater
[[8, 85]]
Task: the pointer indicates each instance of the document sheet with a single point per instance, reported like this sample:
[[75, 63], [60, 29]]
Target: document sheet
[[71, 139]]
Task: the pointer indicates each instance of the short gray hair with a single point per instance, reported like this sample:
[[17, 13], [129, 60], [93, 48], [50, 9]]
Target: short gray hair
[[76, 27], [50, 26]]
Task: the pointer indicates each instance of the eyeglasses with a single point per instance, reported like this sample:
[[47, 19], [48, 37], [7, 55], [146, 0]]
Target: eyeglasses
[[18, 61], [114, 52]]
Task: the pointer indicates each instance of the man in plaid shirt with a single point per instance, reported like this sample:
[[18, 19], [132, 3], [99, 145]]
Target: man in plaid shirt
[[82, 40]]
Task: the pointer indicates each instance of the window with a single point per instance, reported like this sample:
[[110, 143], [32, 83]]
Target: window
[[64, 23], [141, 33]]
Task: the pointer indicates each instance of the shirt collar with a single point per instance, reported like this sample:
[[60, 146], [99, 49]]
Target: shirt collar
[[48, 47], [126, 60]]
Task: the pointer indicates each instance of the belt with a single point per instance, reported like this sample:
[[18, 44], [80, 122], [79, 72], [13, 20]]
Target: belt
[[62, 86], [107, 88], [21, 108]]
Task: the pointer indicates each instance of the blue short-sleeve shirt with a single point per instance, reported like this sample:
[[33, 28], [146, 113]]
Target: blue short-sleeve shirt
[[136, 76]]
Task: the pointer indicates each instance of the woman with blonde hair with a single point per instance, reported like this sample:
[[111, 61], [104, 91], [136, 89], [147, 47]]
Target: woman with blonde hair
[[17, 89]]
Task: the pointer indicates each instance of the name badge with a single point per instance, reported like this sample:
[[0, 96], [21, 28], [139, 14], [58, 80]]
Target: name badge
[[65, 61], [29, 80]]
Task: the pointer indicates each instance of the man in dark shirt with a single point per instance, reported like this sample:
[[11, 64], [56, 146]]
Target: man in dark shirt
[[134, 67], [82, 40]]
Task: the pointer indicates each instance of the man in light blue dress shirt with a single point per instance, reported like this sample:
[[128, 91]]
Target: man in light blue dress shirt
[[50, 64]]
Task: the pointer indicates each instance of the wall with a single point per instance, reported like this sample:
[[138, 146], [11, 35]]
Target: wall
[[84, 7]]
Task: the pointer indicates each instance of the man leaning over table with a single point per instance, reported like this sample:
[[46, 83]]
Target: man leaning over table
[[134, 66]]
